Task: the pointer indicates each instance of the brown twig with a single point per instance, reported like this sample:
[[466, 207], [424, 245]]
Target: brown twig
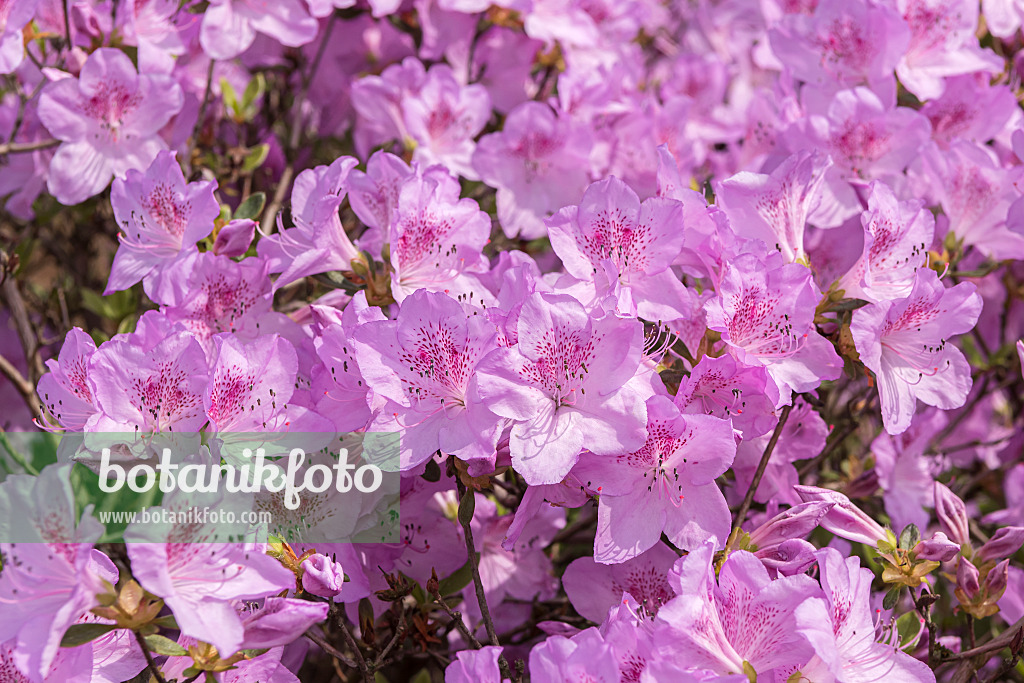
[[22, 147], [328, 648], [762, 466], [351, 640], [481, 597], [149, 658]]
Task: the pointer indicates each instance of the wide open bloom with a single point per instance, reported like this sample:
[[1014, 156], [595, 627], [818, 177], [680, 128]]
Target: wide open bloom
[[904, 342], [108, 120], [567, 386]]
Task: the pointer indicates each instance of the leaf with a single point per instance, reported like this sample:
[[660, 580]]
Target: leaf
[[908, 628], [255, 158], [80, 634], [458, 580], [229, 95], [909, 537], [113, 306], [254, 90], [467, 506], [432, 472], [252, 207], [423, 676], [892, 597], [162, 645]]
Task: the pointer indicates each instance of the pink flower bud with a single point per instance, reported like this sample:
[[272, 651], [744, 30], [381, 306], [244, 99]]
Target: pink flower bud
[[234, 238], [1003, 543], [952, 515], [795, 522], [995, 582], [844, 519], [967, 578], [322, 576], [938, 548]]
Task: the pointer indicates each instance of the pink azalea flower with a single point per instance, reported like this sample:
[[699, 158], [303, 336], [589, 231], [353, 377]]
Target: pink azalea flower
[[14, 14], [51, 575], [566, 386], [667, 486], [422, 368], [904, 342], [475, 666], [905, 473], [65, 390], [744, 619], [587, 656], [437, 239], [839, 627], [765, 312], [108, 120], [318, 242], [230, 26], [594, 588], [1003, 17], [973, 110], [842, 42], [624, 250], [443, 117], [537, 162], [897, 236], [942, 43], [730, 391], [160, 217], [200, 580], [148, 389], [979, 199], [339, 389], [775, 208], [374, 196]]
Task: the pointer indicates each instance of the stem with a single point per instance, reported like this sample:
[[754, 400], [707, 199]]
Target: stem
[[202, 107], [328, 648], [22, 147], [149, 658], [351, 640], [481, 597], [762, 466], [16, 456]]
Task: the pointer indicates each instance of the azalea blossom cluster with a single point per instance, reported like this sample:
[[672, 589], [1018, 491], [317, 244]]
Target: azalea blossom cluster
[[699, 323]]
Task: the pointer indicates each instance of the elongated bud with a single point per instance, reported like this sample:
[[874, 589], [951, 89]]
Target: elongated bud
[[844, 519], [967, 578], [937, 548], [995, 582], [1003, 543], [952, 515], [796, 522]]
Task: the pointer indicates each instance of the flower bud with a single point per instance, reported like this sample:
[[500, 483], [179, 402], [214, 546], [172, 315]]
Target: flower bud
[[952, 515], [844, 519], [795, 522], [967, 578], [322, 576], [995, 582], [937, 548], [1003, 543], [234, 238]]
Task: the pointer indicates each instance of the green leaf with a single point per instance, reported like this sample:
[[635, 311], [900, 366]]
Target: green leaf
[[167, 622], [891, 598], [254, 90], [908, 628], [423, 676], [255, 158], [162, 645], [80, 634], [113, 306], [458, 580], [909, 537], [229, 95], [467, 506], [252, 207], [432, 472]]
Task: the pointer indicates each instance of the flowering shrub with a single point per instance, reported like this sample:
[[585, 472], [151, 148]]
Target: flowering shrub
[[699, 323]]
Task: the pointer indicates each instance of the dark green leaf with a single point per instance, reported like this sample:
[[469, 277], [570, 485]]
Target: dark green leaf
[[909, 537], [467, 506], [891, 598], [433, 471], [252, 207], [80, 634], [162, 645], [459, 579]]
